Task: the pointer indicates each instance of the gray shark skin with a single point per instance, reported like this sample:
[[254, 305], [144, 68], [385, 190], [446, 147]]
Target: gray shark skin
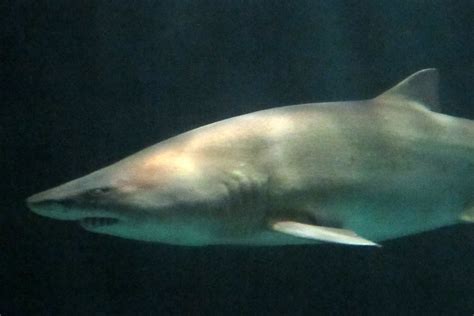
[[354, 172]]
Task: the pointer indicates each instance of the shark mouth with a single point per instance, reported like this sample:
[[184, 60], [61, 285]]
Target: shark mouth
[[97, 222]]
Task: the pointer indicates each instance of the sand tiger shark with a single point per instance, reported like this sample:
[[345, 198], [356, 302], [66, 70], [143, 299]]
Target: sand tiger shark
[[352, 172]]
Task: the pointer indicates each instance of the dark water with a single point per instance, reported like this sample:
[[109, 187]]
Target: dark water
[[85, 83]]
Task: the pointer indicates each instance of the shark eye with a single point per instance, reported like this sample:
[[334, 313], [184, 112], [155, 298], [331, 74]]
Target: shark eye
[[100, 191]]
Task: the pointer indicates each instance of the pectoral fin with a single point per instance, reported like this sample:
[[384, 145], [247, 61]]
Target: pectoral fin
[[468, 215], [321, 233]]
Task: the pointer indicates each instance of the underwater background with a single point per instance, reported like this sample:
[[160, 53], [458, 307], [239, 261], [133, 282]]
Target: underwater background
[[86, 83]]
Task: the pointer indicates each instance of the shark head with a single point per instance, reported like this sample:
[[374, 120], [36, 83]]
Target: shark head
[[154, 197]]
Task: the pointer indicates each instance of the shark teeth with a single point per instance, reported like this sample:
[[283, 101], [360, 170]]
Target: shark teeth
[[93, 222]]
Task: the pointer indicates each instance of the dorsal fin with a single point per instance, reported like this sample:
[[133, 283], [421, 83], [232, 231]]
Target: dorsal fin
[[421, 87]]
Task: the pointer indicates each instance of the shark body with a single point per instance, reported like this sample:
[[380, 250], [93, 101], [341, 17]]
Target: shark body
[[354, 172]]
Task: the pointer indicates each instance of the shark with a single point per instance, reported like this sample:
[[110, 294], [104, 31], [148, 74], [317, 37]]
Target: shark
[[351, 172]]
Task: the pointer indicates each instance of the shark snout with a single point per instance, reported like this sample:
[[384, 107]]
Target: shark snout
[[64, 203], [45, 199], [49, 207], [39, 201], [37, 198], [34, 204], [56, 194], [57, 202]]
